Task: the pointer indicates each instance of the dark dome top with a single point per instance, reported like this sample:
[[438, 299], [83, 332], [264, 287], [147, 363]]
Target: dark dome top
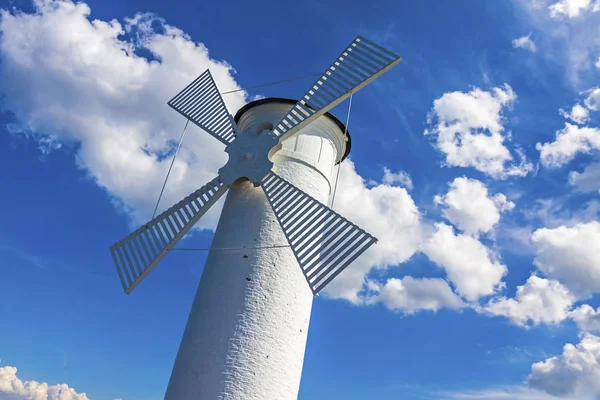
[[332, 117]]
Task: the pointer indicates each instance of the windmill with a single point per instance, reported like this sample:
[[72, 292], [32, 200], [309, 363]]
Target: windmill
[[245, 338]]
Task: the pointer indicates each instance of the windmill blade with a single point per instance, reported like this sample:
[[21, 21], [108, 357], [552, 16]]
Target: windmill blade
[[358, 65], [201, 103], [138, 253], [323, 241]]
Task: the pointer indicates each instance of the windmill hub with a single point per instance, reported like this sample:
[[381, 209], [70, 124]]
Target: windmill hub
[[248, 158]]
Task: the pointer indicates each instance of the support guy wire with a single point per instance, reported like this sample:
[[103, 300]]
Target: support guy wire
[[272, 83], [281, 246], [170, 167], [337, 177]]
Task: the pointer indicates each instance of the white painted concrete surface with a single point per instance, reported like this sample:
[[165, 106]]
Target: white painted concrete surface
[[247, 330]]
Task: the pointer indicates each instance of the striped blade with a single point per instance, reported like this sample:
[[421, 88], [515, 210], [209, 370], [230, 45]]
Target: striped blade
[[360, 63], [323, 241], [201, 103], [138, 253]]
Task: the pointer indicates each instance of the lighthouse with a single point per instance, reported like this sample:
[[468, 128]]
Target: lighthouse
[[246, 333]]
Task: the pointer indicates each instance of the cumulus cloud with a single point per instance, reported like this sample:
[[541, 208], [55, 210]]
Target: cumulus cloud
[[597, 63], [588, 180], [387, 212], [468, 129], [572, 8], [13, 388], [473, 269], [578, 114], [567, 144], [576, 372], [571, 256], [410, 295], [525, 42], [538, 301], [586, 318], [92, 91], [470, 208], [400, 178]]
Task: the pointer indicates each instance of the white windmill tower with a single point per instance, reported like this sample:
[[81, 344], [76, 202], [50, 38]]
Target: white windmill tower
[[246, 333]]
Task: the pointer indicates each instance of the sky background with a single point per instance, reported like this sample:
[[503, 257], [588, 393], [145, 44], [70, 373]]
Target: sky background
[[476, 159]]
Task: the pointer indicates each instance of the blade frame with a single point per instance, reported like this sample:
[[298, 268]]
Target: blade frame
[[167, 229], [320, 259], [202, 104], [324, 106]]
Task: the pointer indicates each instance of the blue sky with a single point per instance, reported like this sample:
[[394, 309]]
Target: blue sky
[[478, 154]]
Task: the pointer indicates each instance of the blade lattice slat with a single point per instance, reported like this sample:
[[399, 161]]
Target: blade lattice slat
[[323, 241], [361, 62], [201, 103], [138, 253]]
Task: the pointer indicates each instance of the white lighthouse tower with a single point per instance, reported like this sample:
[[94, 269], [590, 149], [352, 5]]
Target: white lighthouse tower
[[246, 333]]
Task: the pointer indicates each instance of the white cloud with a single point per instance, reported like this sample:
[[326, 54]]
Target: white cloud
[[411, 295], [388, 213], [570, 8], [588, 180], [470, 208], [568, 142], [586, 318], [469, 131], [597, 63], [474, 270], [593, 100], [525, 42], [579, 114], [91, 90], [400, 177], [576, 372], [538, 301], [12, 388], [571, 256]]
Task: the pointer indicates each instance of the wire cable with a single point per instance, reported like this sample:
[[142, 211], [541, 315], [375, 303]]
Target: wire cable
[[170, 167], [272, 83], [229, 248], [337, 177]]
